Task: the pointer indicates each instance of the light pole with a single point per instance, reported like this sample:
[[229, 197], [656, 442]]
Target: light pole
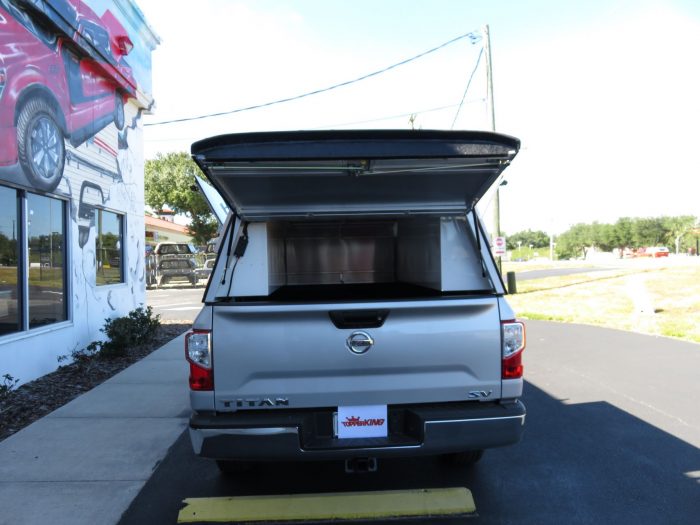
[[551, 247]]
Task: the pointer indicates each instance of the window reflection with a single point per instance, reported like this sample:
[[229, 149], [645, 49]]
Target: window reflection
[[45, 232], [9, 270], [109, 244]]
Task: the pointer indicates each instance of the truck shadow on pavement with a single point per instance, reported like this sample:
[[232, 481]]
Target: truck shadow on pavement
[[577, 463]]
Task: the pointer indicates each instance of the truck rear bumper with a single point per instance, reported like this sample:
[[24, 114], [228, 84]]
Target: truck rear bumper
[[307, 434]]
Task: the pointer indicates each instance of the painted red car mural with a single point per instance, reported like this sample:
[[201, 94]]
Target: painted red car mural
[[51, 89]]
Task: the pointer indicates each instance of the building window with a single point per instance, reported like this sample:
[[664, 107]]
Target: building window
[[47, 256], [9, 269], [32, 260], [110, 232]]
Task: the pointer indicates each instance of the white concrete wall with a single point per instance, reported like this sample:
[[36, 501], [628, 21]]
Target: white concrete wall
[[28, 355], [110, 164]]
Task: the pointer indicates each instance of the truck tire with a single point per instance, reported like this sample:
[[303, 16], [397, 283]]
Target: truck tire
[[464, 459], [230, 468], [41, 147]]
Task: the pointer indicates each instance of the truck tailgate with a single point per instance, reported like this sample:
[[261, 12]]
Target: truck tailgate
[[294, 356]]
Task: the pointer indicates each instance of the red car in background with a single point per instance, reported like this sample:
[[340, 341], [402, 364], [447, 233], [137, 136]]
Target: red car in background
[[652, 251], [52, 90], [657, 251]]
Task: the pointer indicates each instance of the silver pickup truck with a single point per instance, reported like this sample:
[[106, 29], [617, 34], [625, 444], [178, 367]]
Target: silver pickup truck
[[355, 310]]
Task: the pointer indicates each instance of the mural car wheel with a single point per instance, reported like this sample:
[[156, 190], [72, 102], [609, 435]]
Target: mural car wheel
[[40, 144], [119, 112]]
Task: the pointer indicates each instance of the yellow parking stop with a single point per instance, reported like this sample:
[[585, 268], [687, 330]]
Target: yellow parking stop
[[443, 502]]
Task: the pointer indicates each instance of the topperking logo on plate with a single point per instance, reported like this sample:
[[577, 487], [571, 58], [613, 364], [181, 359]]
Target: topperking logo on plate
[[362, 421], [354, 421]]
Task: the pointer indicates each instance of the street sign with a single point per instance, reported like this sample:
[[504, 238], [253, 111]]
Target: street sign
[[499, 246]]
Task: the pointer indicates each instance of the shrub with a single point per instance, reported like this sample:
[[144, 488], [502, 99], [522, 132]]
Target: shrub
[[83, 356], [7, 386], [124, 332]]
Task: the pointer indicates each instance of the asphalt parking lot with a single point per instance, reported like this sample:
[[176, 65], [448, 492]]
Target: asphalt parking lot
[[612, 436], [176, 302]]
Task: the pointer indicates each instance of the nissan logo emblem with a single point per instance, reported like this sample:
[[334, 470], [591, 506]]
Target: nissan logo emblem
[[359, 342]]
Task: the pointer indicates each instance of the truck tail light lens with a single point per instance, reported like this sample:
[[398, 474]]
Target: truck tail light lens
[[198, 354], [3, 79], [513, 334]]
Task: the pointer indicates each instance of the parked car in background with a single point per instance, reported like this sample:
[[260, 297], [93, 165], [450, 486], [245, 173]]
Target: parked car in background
[[204, 272], [657, 251], [171, 262]]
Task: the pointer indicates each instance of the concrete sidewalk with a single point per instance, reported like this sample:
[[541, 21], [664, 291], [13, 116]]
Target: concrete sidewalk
[[85, 462]]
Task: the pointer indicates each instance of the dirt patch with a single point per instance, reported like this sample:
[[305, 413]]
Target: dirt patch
[[37, 398]]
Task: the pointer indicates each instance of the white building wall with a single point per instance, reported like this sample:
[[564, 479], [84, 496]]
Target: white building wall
[[28, 355], [110, 165]]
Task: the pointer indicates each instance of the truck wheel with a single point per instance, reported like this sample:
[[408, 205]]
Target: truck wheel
[[230, 468], [119, 120], [464, 459], [40, 144]]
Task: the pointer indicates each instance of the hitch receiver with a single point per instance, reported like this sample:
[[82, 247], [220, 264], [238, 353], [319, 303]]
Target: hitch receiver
[[360, 465]]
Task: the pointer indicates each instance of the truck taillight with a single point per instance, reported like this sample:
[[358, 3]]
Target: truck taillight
[[198, 354], [3, 79], [513, 334]]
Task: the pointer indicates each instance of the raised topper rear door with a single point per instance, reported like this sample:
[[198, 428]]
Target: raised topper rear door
[[297, 175]]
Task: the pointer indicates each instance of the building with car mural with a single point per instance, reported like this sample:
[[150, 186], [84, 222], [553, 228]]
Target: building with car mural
[[75, 80]]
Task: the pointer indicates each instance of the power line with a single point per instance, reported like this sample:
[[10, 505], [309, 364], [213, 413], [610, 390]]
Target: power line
[[469, 83], [392, 117], [473, 36], [339, 125]]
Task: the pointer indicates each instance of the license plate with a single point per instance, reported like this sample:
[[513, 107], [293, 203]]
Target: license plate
[[361, 421]]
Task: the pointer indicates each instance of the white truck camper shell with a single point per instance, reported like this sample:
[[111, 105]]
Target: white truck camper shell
[[353, 271]]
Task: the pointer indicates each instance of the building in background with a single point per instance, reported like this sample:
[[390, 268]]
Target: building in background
[[163, 230], [75, 79]]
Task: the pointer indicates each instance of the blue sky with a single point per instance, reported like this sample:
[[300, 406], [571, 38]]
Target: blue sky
[[603, 95]]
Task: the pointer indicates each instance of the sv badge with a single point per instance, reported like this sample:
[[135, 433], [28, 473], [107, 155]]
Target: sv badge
[[479, 394]]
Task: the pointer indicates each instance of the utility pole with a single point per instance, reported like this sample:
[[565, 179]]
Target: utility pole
[[492, 117], [489, 78]]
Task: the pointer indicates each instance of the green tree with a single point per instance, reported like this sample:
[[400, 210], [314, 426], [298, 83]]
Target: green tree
[[676, 228], [648, 231], [575, 241], [678, 232], [622, 233], [538, 239], [602, 236], [169, 180]]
